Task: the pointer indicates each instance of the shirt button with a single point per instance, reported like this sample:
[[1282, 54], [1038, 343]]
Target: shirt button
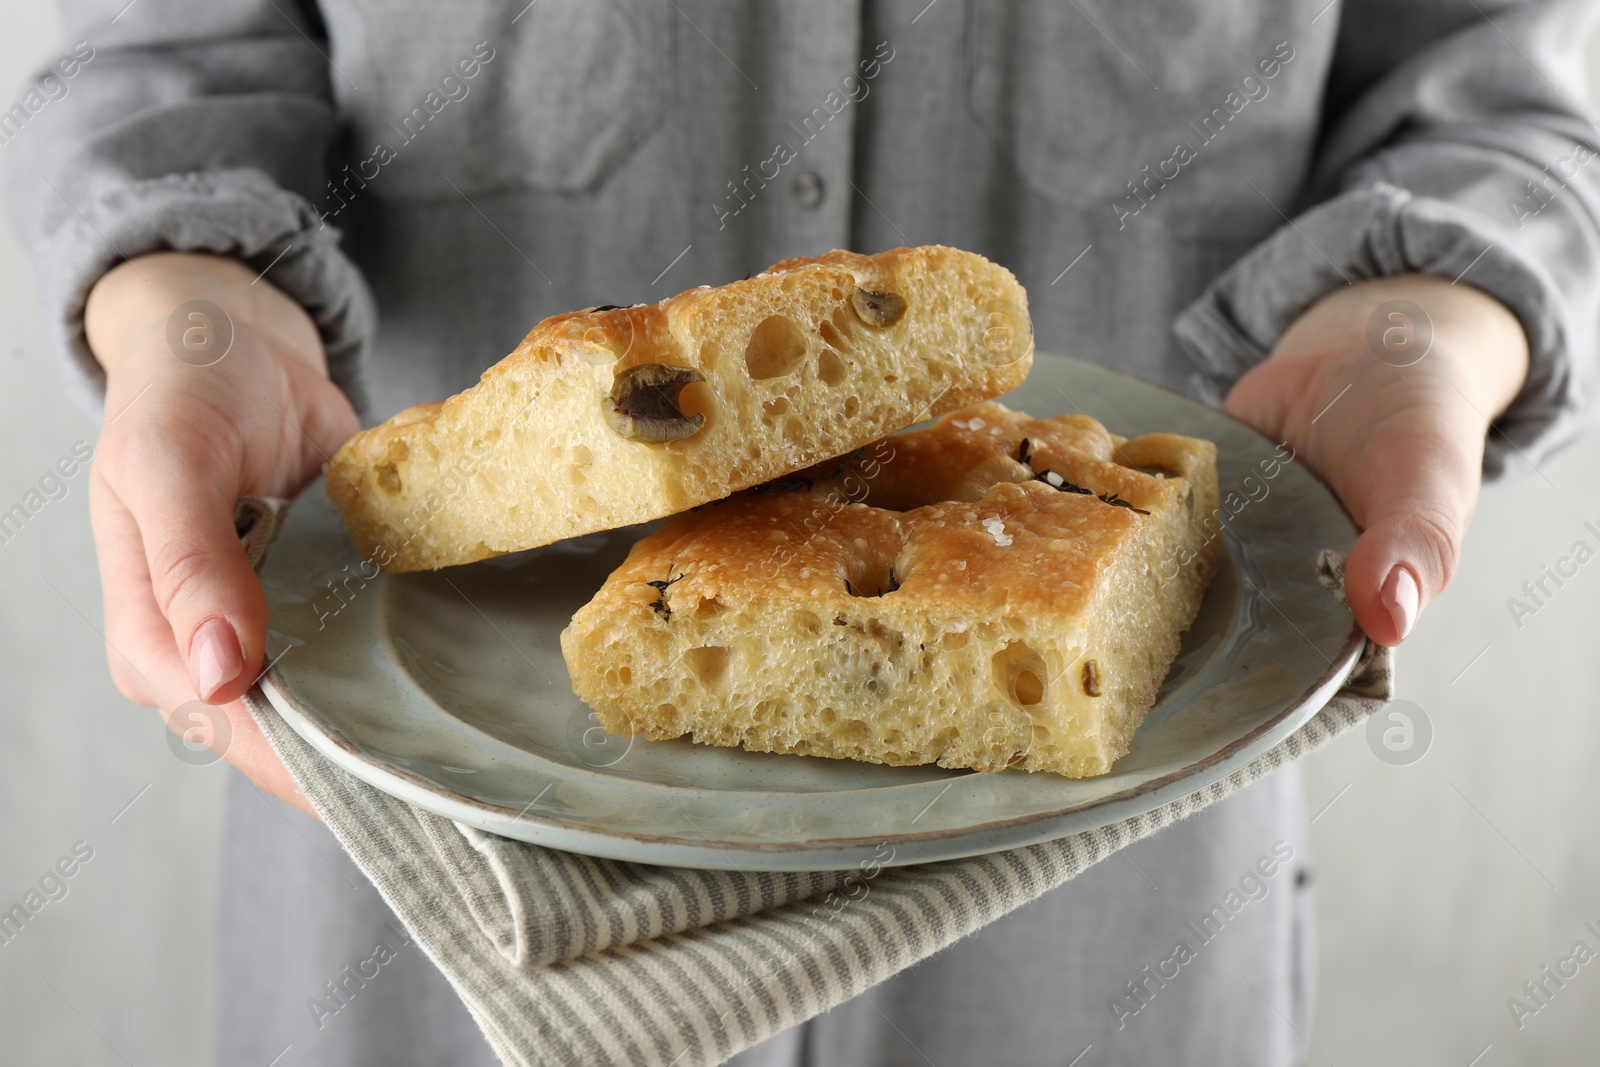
[[808, 189]]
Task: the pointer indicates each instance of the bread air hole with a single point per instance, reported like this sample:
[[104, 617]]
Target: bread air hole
[[1019, 672], [776, 348], [839, 329], [830, 368], [709, 664], [709, 608], [771, 409], [831, 337], [871, 574]]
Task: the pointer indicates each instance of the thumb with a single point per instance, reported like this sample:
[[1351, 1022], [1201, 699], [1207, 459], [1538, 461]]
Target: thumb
[[1418, 489], [181, 492]]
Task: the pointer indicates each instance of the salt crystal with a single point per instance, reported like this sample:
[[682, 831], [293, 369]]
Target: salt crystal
[[997, 530]]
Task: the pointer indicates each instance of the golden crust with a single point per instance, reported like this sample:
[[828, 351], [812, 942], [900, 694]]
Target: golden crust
[[792, 373], [937, 597]]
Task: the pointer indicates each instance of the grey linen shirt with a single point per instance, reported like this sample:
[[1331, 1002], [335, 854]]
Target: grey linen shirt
[[1173, 181]]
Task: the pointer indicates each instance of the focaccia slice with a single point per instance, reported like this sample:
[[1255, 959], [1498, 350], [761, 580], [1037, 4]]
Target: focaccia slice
[[612, 416], [992, 591]]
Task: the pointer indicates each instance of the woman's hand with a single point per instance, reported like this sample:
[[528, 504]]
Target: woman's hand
[[1400, 442], [185, 438]]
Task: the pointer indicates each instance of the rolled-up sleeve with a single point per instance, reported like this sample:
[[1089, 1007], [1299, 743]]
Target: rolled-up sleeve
[[1460, 143], [186, 125]]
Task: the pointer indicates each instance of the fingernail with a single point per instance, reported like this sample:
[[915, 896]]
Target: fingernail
[[214, 657], [1402, 597]]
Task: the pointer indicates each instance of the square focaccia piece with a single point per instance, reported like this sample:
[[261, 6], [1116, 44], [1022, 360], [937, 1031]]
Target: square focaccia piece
[[611, 416], [992, 591]]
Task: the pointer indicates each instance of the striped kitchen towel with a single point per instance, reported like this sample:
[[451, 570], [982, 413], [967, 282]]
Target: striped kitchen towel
[[567, 959]]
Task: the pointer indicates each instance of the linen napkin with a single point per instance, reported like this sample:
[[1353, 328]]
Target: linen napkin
[[569, 959]]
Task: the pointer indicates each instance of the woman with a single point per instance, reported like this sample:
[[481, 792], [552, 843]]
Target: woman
[[1278, 203]]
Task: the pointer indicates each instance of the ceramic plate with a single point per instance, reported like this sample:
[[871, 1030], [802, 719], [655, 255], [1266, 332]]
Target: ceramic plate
[[448, 689]]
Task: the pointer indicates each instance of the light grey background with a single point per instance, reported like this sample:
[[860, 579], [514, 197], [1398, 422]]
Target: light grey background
[[1442, 886]]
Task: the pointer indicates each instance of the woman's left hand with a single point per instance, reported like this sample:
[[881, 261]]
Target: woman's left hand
[[1400, 442]]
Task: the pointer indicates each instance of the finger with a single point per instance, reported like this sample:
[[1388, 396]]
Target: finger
[[180, 488], [1421, 487], [144, 658], [133, 638], [327, 419]]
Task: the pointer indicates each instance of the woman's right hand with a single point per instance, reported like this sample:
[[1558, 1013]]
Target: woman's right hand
[[185, 438]]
